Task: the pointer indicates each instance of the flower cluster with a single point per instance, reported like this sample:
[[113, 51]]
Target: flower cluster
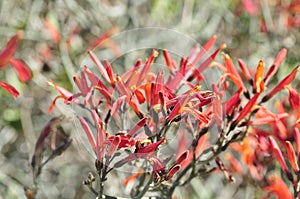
[[155, 108]]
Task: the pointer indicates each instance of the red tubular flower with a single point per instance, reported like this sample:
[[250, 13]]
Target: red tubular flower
[[292, 156], [279, 188], [211, 58], [6, 57], [245, 70], [182, 157], [150, 148], [53, 31], [173, 171], [232, 103], [10, 89], [297, 139], [22, 69], [113, 145], [233, 73], [247, 109], [88, 132], [102, 38], [204, 49], [8, 52], [273, 69], [258, 84], [279, 156], [99, 65], [139, 125], [287, 80], [147, 67], [294, 97], [109, 72], [168, 60], [65, 94]]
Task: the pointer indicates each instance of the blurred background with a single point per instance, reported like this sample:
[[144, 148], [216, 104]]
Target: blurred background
[[56, 36]]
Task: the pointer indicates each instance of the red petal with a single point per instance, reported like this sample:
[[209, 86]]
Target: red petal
[[273, 69], [10, 49], [151, 147], [10, 89], [88, 132], [287, 80], [99, 65], [64, 93], [233, 71], [53, 104], [147, 66], [168, 60], [292, 156], [132, 70], [294, 98], [100, 129], [22, 69], [139, 125], [102, 38], [250, 7], [173, 171], [232, 103], [53, 31], [113, 146], [139, 96], [244, 69], [258, 83], [182, 157], [109, 71], [204, 49], [211, 58], [278, 186], [278, 154], [297, 139], [247, 108]]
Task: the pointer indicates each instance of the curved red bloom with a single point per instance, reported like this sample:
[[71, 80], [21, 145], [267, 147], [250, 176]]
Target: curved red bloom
[[10, 89]]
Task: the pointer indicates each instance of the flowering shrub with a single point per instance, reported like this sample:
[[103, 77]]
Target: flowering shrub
[[133, 119]]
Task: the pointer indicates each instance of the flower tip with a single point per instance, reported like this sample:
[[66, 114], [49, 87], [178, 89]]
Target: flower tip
[[223, 46]]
